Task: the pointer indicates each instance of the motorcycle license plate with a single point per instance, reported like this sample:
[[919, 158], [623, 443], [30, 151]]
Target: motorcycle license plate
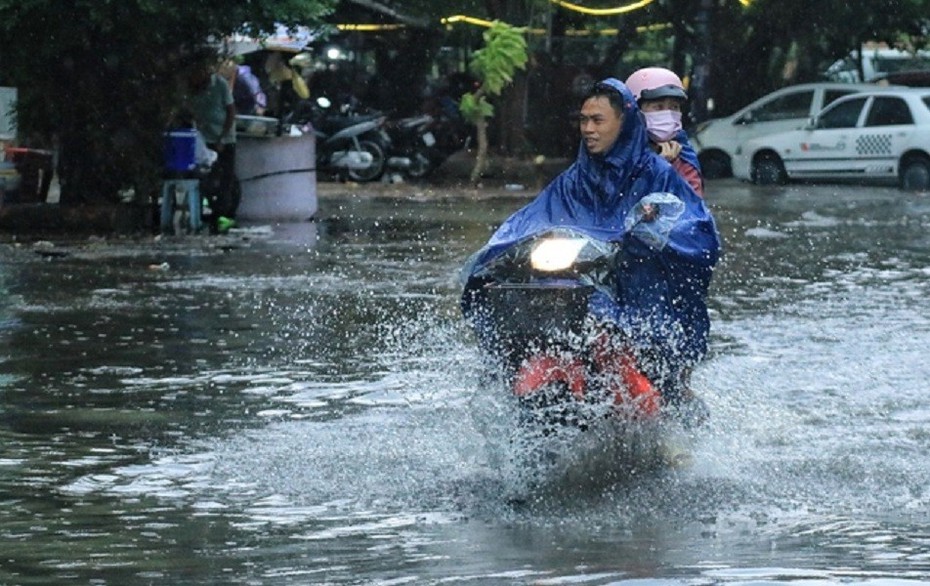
[[428, 139]]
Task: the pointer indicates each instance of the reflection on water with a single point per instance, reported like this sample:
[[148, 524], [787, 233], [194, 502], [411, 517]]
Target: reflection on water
[[302, 404]]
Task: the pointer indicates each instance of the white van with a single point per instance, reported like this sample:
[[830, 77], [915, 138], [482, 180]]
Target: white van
[[877, 62], [719, 139]]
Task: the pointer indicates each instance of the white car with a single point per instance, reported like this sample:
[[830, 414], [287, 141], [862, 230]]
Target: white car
[[718, 139], [882, 135]]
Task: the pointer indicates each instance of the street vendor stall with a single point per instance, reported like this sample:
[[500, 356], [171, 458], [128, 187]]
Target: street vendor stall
[[277, 174], [275, 163]]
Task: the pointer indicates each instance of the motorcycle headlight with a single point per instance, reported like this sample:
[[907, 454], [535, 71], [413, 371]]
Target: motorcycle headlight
[[551, 255]]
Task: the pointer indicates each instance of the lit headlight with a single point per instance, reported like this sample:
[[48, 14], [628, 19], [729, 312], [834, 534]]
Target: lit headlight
[[555, 254]]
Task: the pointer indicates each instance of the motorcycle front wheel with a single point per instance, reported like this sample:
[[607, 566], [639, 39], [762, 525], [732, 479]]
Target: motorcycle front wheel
[[374, 171]]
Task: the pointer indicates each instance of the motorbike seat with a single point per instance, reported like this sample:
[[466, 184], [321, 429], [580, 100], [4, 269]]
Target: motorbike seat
[[413, 122], [333, 124]]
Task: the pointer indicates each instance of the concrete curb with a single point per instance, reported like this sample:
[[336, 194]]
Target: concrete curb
[[505, 177]]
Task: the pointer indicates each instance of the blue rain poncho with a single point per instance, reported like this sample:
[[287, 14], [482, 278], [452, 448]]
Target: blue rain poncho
[[687, 154], [667, 263]]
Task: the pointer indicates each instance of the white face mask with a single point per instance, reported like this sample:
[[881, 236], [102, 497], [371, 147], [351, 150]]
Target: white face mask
[[663, 125]]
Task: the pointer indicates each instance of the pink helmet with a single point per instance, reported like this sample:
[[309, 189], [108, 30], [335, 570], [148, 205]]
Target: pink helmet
[[652, 83]]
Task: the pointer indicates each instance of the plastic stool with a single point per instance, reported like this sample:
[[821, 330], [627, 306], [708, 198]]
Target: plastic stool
[[180, 198]]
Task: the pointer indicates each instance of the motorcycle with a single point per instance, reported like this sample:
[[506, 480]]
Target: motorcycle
[[414, 148], [420, 144], [530, 309], [348, 146]]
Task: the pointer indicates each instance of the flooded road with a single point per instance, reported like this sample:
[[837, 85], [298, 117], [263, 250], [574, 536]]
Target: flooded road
[[305, 407]]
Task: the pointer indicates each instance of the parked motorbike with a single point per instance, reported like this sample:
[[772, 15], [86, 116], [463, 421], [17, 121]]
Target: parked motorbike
[[420, 144], [530, 309], [414, 150], [348, 146]]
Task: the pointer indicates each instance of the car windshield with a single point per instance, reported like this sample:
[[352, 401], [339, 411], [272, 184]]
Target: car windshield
[[926, 101], [911, 63], [789, 106], [830, 96]]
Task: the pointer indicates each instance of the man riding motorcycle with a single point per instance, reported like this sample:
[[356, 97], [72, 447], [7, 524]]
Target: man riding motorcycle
[[620, 191]]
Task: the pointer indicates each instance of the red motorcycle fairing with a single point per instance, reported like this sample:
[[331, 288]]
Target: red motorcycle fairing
[[537, 372], [625, 382]]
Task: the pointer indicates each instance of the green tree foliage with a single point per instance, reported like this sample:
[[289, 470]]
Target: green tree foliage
[[773, 43], [97, 78], [504, 52]]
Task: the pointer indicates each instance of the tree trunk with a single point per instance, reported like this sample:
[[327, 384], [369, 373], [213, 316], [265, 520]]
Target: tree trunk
[[481, 157]]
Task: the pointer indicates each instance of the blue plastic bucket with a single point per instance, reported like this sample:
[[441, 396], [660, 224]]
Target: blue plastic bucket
[[180, 148]]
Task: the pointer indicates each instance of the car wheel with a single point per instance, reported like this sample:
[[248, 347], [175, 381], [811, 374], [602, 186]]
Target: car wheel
[[376, 169], [768, 170], [715, 165], [915, 173]]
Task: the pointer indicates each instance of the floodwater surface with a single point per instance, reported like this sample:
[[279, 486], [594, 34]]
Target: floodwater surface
[[304, 405]]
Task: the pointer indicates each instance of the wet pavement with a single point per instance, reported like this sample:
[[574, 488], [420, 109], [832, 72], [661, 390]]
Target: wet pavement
[[302, 404]]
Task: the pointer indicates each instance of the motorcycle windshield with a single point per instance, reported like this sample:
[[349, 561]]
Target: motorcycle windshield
[[592, 262]]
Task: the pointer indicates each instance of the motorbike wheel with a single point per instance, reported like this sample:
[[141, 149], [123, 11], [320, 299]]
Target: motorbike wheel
[[551, 408], [420, 165], [376, 169]]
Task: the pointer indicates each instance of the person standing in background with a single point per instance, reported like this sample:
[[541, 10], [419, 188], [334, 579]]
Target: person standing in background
[[291, 86], [248, 96], [211, 102]]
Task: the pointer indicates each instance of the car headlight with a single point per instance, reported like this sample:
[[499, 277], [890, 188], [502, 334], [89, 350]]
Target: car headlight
[[551, 255]]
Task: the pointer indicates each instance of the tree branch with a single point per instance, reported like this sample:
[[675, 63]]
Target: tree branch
[[384, 9]]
